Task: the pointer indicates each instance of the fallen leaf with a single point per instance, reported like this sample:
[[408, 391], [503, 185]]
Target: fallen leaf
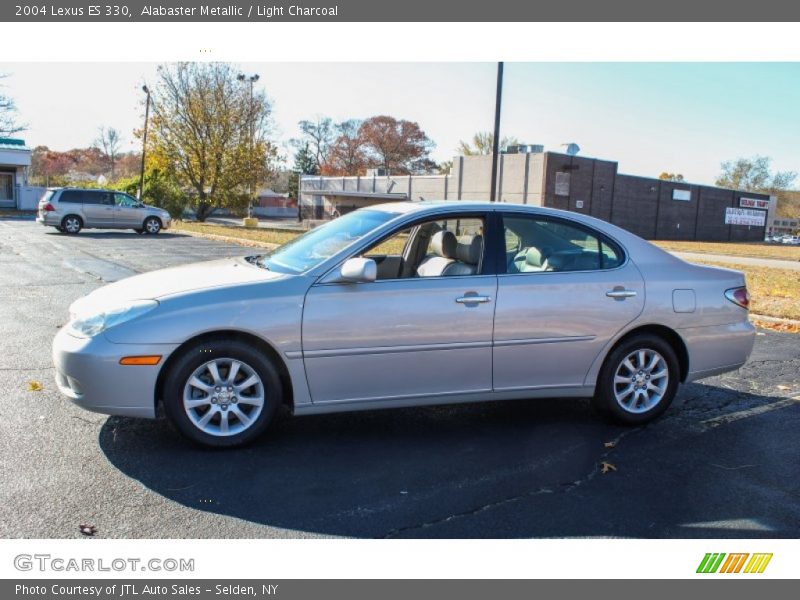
[[784, 387], [87, 529], [607, 467], [610, 444], [35, 386]]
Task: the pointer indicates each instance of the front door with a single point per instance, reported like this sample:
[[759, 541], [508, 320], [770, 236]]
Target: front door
[[7, 190], [424, 328], [568, 290], [127, 214]]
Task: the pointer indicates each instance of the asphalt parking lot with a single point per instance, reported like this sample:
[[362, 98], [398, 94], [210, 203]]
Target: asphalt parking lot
[[723, 462]]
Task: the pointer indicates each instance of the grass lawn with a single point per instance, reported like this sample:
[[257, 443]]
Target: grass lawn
[[756, 250], [269, 236]]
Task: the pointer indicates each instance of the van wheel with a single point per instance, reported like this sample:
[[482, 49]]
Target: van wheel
[[222, 393], [152, 225], [71, 224], [638, 380]]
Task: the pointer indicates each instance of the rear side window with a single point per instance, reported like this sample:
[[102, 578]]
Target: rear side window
[[71, 197], [543, 244], [98, 198]]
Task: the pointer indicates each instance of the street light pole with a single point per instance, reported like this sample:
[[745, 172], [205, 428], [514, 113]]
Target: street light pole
[[251, 126], [146, 90], [496, 139]]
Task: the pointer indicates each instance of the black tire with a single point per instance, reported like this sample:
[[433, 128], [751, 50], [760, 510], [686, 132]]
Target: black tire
[[139, 231], [632, 411], [194, 358], [60, 229], [152, 225], [71, 224]]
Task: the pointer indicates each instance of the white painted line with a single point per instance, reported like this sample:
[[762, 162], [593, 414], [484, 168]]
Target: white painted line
[[750, 412]]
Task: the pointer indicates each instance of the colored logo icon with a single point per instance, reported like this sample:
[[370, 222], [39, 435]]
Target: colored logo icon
[[719, 562]]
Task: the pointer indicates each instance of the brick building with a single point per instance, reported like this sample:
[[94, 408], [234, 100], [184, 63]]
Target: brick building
[[650, 208]]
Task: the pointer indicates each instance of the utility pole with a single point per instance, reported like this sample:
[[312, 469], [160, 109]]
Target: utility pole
[[146, 90], [496, 139]]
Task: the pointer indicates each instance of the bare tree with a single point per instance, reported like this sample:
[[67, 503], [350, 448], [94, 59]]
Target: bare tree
[[8, 110], [319, 134], [108, 142]]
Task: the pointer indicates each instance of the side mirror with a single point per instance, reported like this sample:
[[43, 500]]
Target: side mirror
[[357, 270]]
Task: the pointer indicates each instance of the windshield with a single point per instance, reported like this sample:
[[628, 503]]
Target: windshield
[[319, 244]]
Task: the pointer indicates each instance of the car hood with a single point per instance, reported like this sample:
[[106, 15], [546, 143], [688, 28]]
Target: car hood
[[174, 280]]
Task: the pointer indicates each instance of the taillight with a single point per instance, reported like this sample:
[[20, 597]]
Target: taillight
[[48, 208], [739, 296]]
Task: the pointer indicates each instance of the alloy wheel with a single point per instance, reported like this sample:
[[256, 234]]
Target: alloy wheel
[[641, 381], [223, 397], [152, 226]]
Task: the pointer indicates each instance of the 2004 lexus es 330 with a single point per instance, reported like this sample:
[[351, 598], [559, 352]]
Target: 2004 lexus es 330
[[406, 304]]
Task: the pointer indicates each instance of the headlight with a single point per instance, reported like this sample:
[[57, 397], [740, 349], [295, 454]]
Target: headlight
[[89, 324]]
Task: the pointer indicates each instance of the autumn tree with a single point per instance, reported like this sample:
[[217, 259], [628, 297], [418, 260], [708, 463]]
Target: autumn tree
[[753, 174], [108, 142], [481, 143], [202, 123], [664, 176], [8, 111], [397, 145], [347, 155]]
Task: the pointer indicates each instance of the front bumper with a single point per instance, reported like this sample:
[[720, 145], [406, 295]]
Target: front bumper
[[88, 373]]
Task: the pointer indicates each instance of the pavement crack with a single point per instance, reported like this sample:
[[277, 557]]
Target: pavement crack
[[563, 488]]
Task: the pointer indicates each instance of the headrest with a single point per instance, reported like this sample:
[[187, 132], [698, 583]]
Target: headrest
[[534, 257], [469, 249], [443, 243]]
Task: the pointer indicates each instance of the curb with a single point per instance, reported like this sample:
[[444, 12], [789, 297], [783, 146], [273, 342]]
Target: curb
[[777, 320], [229, 239]]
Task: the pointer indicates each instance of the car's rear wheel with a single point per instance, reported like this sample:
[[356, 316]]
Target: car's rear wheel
[[222, 393], [152, 225], [638, 380], [71, 224]]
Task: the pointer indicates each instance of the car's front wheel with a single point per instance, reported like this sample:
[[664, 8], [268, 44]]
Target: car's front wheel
[[638, 380], [152, 225], [222, 393]]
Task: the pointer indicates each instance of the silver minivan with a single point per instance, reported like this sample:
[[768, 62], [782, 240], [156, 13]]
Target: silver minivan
[[71, 209]]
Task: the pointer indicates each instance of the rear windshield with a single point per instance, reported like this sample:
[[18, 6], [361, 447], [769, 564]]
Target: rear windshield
[[48, 195]]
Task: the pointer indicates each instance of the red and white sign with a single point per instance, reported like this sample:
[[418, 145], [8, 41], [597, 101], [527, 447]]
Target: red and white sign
[[753, 203], [745, 216]]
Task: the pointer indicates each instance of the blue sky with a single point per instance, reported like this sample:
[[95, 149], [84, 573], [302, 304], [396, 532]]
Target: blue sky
[[650, 117]]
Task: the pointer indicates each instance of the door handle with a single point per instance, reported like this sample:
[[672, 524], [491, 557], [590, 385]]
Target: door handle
[[473, 299], [620, 293]]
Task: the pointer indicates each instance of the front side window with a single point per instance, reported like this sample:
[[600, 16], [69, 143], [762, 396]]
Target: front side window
[[437, 248], [552, 245], [98, 198], [124, 200]]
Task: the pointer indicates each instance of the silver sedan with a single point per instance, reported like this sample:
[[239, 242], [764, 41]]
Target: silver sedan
[[407, 304]]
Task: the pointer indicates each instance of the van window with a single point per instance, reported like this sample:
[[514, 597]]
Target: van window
[[70, 197], [92, 197]]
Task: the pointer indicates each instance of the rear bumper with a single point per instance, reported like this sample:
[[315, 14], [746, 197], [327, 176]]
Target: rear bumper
[[89, 374], [48, 219], [717, 348]]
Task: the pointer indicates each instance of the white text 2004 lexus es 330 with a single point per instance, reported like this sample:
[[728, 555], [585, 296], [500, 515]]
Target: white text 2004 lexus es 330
[[406, 304]]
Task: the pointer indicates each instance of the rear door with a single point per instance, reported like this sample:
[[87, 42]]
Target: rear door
[[566, 292], [98, 208]]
